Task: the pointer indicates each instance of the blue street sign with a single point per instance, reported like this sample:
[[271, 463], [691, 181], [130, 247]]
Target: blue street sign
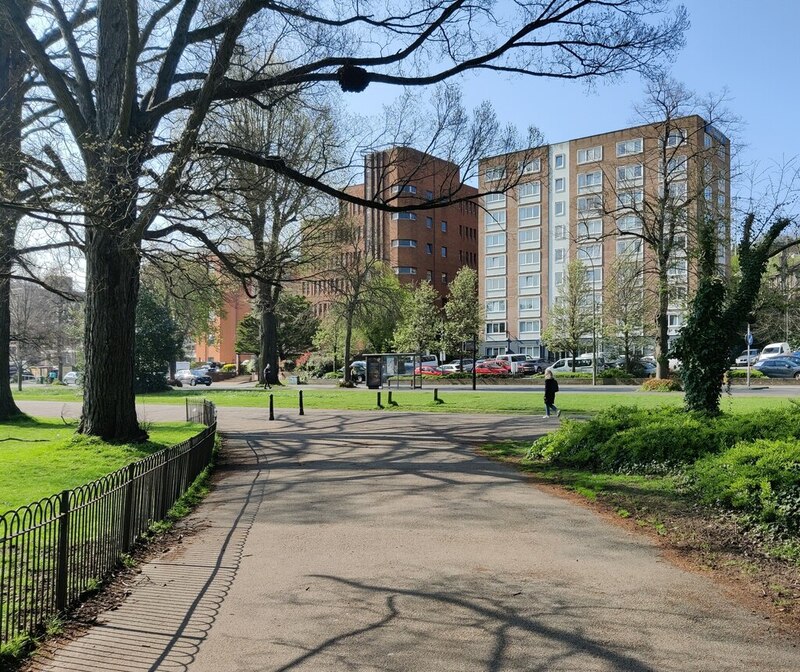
[[749, 339]]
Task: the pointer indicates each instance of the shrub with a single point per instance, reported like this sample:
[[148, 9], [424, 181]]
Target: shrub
[[739, 373], [228, 368], [661, 385], [760, 478], [625, 438], [615, 373], [331, 375]]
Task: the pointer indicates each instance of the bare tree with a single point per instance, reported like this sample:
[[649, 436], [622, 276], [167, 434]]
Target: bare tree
[[138, 82], [666, 185], [627, 309]]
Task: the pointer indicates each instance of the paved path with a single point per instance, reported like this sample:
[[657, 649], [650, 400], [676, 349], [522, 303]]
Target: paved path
[[366, 541]]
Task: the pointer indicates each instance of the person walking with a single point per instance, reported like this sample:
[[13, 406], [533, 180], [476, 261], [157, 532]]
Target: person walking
[[267, 371], [550, 389]]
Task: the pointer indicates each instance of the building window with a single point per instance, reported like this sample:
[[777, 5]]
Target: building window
[[629, 223], [591, 154], [444, 278], [530, 191], [530, 237], [429, 275], [560, 207], [678, 269], [494, 218], [558, 278], [560, 232], [429, 195], [676, 167], [529, 214], [631, 175], [560, 184], [590, 253], [405, 270], [494, 261], [533, 327], [629, 248], [429, 222], [495, 285], [404, 242], [403, 215], [590, 181], [495, 328], [676, 137], [674, 320], [496, 240], [531, 261], [496, 306], [594, 276], [628, 147], [444, 226], [493, 200], [630, 198], [531, 281], [559, 255], [404, 189], [590, 228], [494, 174], [590, 203], [444, 251], [706, 140], [530, 304], [559, 160], [531, 166], [429, 248]]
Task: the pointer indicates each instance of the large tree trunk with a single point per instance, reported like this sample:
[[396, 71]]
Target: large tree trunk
[[112, 290], [13, 68], [268, 331]]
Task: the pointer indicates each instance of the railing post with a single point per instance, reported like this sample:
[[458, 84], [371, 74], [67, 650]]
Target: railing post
[[63, 552], [164, 487], [127, 513], [187, 408]]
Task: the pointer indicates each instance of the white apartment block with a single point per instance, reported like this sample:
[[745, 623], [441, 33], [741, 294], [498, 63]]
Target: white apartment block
[[593, 199]]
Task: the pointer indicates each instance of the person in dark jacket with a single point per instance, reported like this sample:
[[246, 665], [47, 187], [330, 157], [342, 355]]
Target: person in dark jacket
[[550, 389]]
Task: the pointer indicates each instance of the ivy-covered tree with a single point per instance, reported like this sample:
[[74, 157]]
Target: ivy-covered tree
[[158, 342], [247, 334], [296, 323], [420, 328], [719, 310]]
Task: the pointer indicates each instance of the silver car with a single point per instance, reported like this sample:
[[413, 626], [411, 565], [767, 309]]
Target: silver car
[[748, 357]]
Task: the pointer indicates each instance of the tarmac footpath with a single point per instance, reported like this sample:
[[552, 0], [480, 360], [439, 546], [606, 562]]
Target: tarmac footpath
[[381, 541]]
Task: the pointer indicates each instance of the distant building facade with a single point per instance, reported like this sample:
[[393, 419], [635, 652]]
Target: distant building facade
[[587, 199]]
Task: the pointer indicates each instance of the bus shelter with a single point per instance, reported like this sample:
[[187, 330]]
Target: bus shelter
[[393, 369]]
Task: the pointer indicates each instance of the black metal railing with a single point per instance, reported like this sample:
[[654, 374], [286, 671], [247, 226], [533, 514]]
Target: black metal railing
[[53, 551], [201, 411]]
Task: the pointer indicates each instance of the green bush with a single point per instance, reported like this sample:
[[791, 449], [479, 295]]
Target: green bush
[[331, 375], [661, 385], [760, 478], [228, 368], [625, 438], [615, 373], [742, 373]]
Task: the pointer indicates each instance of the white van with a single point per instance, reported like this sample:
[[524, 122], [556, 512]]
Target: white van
[[774, 350], [583, 364]]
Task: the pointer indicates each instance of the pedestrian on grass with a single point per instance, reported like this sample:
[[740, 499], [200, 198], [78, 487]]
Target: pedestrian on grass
[[550, 389], [267, 371]]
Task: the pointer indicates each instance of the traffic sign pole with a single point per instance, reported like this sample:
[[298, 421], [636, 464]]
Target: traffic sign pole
[[749, 344]]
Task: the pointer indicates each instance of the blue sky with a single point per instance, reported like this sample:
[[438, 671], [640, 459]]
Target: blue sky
[[749, 48]]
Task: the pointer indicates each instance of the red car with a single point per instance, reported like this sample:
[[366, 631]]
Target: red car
[[428, 370], [492, 367]]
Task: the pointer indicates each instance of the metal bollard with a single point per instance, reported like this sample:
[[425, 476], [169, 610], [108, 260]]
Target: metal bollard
[[390, 398], [302, 412], [436, 394], [379, 400], [271, 408]]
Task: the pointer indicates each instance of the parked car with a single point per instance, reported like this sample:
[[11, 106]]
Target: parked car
[[516, 363], [193, 377], [748, 356], [72, 378], [779, 367], [774, 350], [358, 370], [428, 370], [535, 365], [492, 368], [457, 365]]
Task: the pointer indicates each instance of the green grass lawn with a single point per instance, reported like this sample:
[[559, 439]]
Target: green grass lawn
[[453, 399], [40, 457]]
